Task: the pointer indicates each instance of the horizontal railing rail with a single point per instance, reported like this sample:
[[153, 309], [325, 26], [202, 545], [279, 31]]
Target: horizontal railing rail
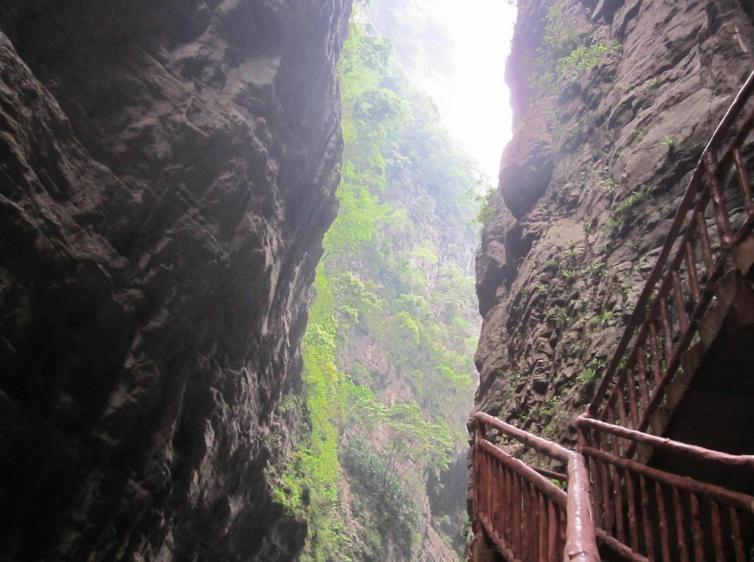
[[655, 515], [648, 514], [595, 433], [715, 214], [524, 514], [639, 512]]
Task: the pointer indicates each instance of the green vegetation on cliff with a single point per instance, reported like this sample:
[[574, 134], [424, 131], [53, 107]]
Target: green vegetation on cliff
[[563, 54], [387, 283]]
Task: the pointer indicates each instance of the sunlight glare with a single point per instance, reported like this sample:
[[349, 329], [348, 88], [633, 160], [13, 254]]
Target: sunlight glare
[[475, 100]]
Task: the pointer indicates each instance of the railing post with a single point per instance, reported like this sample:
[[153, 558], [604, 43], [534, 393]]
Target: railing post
[[718, 200], [479, 435], [581, 440], [581, 539]]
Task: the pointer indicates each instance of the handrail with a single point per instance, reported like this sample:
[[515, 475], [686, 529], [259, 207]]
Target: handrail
[[630, 500], [648, 514], [718, 457], [580, 543], [522, 469], [739, 101], [654, 328], [544, 446], [715, 492]]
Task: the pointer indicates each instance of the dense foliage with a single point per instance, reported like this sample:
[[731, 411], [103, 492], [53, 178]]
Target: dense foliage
[[563, 54], [386, 279]]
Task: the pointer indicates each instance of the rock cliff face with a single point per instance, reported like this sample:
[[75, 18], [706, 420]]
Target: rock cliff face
[[167, 173], [614, 101]]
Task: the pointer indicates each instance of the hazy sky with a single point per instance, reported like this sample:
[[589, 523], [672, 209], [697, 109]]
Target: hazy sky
[[475, 103]]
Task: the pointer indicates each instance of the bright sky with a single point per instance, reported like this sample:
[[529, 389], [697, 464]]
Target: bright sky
[[475, 104]]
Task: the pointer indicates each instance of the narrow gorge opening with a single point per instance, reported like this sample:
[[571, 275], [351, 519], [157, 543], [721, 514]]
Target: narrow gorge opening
[[379, 470]]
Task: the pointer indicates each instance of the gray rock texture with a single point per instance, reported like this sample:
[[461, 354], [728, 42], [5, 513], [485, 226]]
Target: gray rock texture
[[167, 172], [567, 253]]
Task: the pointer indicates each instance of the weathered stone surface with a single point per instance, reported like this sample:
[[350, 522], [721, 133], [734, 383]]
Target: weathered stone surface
[[624, 136], [167, 172], [496, 262], [526, 167]]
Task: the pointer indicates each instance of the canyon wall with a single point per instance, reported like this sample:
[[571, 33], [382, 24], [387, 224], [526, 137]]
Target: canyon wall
[[613, 103], [167, 173]]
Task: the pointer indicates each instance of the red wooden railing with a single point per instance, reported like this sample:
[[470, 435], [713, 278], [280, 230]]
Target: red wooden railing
[[526, 516], [648, 514], [640, 513], [716, 213]]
